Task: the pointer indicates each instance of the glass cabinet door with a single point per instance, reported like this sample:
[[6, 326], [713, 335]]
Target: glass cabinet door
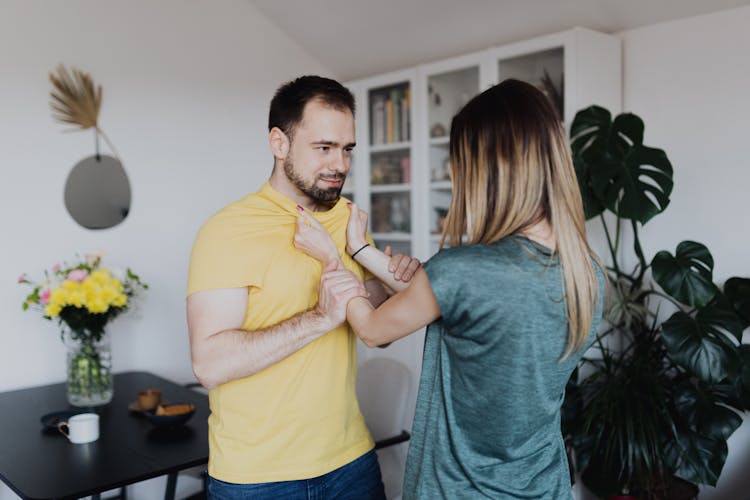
[[390, 166], [447, 93], [543, 69]]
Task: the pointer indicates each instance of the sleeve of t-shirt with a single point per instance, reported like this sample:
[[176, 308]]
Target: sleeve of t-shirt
[[220, 260], [446, 277]]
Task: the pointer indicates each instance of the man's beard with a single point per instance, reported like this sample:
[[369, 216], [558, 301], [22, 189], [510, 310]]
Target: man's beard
[[311, 189]]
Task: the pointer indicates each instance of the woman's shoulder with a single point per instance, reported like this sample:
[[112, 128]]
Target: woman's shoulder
[[509, 245], [455, 253], [461, 258]]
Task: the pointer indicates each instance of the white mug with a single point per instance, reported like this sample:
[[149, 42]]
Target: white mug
[[81, 428]]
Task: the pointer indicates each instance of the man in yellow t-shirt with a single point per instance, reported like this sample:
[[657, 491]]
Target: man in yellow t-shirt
[[279, 359]]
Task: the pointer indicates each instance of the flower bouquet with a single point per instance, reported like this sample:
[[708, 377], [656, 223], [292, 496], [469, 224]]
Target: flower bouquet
[[83, 298]]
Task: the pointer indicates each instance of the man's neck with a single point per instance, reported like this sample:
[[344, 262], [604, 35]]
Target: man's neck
[[283, 186]]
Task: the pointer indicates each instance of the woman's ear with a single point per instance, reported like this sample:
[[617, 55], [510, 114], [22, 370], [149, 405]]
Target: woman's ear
[[279, 143]]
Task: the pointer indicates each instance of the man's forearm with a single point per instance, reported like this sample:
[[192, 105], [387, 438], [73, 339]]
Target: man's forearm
[[233, 354]]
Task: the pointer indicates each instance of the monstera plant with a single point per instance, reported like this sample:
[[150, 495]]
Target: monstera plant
[[651, 405]]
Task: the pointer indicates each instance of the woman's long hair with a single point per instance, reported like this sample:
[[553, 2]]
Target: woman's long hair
[[511, 167]]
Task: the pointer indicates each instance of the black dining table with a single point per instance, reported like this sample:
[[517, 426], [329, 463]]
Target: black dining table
[[38, 462]]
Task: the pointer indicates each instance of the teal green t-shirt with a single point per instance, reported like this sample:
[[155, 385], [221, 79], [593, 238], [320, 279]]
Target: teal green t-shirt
[[487, 422]]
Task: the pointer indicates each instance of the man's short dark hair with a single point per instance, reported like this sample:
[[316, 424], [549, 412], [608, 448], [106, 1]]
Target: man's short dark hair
[[288, 104]]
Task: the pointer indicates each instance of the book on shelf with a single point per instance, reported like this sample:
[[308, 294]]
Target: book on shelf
[[395, 98], [405, 169], [377, 123], [390, 119], [405, 115]]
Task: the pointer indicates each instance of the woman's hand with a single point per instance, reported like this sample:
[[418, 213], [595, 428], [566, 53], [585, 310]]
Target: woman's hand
[[313, 239], [356, 229]]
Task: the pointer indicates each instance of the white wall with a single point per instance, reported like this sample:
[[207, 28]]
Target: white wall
[[690, 82], [186, 91]]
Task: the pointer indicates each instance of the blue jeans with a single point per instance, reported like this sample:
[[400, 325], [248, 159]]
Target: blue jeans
[[357, 480]]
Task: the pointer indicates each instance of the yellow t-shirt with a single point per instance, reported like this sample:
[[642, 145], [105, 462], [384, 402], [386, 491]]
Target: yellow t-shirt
[[298, 418]]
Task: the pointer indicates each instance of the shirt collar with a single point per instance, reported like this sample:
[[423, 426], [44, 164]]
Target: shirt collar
[[290, 206]]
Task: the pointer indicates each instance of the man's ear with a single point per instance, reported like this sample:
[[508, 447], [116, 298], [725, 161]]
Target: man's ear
[[279, 143]]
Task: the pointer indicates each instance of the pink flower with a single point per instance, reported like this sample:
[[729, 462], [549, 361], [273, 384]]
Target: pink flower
[[22, 278], [78, 275], [44, 297], [56, 267], [92, 258]]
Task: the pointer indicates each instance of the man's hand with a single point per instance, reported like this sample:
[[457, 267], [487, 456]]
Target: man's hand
[[336, 288], [313, 239], [401, 266]]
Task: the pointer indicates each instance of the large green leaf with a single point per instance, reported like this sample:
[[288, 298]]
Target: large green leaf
[[700, 411], [628, 131], [592, 206], [638, 186], [589, 133], [615, 170], [737, 291], [688, 275], [744, 380], [593, 133], [719, 318], [699, 349], [701, 459]]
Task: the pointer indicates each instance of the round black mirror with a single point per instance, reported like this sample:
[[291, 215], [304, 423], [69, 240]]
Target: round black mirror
[[97, 192]]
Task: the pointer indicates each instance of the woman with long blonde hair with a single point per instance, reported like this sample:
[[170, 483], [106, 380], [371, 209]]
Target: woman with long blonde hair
[[512, 300]]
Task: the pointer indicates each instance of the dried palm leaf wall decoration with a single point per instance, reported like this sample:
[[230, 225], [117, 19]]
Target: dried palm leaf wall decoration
[[97, 190], [76, 100]]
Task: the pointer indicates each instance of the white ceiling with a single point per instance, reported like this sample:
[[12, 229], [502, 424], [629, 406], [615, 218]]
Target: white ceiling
[[357, 38]]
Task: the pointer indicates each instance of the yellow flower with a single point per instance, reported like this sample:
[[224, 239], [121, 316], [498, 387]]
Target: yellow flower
[[120, 301], [108, 294], [97, 306], [76, 298], [100, 276], [70, 285], [52, 310], [58, 297], [89, 285]]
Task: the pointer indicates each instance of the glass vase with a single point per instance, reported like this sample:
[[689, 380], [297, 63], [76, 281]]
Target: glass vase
[[90, 381]]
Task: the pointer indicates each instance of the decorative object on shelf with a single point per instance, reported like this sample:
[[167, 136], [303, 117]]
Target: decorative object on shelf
[[97, 191], [389, 169], [442, 171], [660, 398], [83, 298], [400, 214], [554, 93], [438, 130], [435, 99]]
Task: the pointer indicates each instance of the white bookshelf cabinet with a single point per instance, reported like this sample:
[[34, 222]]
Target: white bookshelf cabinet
[[400, 170]]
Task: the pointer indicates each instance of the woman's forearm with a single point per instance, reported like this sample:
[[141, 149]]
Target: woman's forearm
[[359, 315], [376, 262], [400, 315]]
